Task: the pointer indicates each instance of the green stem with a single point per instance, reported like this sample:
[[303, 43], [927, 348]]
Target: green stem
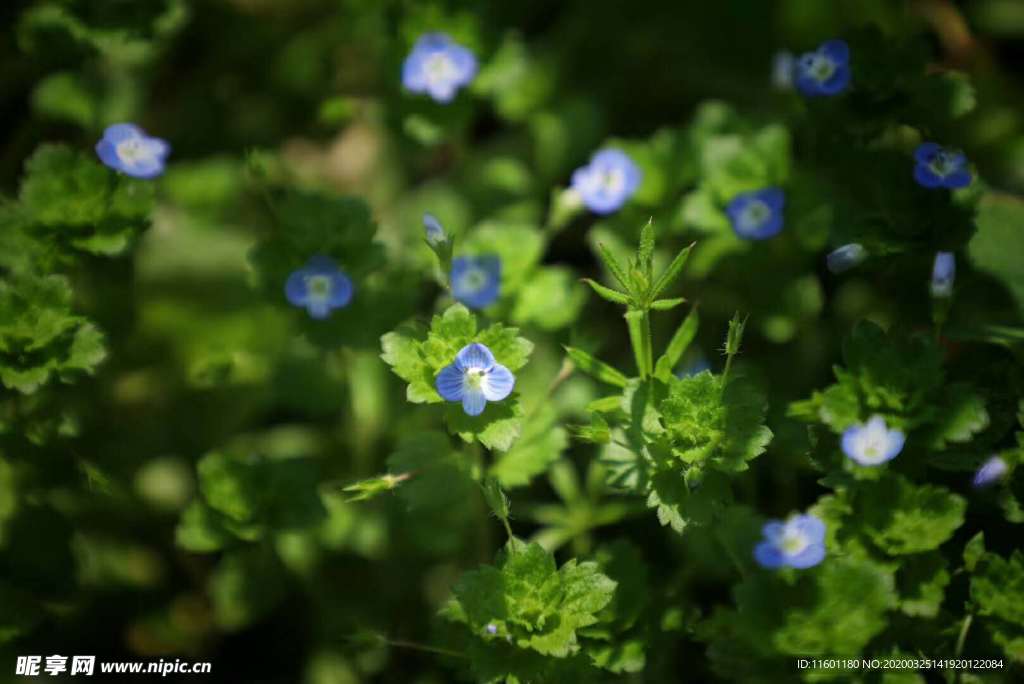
[[639, 323]]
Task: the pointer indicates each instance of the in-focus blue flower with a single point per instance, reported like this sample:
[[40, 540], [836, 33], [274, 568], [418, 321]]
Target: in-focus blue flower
[[757, 215], [476, 281], [319, 287], [796, 543], [990, 472], [872, 443], [846, 257], [783, 69], [825, 71], [434, 229], [438, 67], [475, 378], [607, 181], [937, 167], [943, 274], [126, 148]]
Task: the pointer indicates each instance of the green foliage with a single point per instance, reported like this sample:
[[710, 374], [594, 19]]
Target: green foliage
[[40, 338], [417, 355], [236, 502], [902, 518], [526, 601], [71, 198]]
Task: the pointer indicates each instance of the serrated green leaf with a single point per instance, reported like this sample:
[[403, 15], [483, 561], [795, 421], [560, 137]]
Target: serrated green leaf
[[903, 518], [669, 275]]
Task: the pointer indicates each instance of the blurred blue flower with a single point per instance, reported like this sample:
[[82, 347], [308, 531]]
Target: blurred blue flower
[[825, 71], [990, 472], [319, 287], [126, 148], [757, 215], [476, 281], [697, 363], [475, 378], [937, 167], [491, 628], [872, 443], [438, 66], [607, 181], [783, 69], [846, 257], [943, 274], [796, 543], [434, 229]]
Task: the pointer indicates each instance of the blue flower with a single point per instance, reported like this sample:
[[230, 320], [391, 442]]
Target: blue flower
[[796, 543], [607, 181], [872, 443], [438, 66], [825, 71], [943, 274], [990, 472], [757, 215], [319, 287], [126, 148], [476, 281], [475, 378], [937, 167], [846, 257], [434, 229]]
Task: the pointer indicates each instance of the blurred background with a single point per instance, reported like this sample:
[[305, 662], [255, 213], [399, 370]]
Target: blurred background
[[103, 549]]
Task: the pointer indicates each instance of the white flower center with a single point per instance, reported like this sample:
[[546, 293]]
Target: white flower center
[[475, 377], [440, 68], [820, 68], [473, 280], [755, 214], [131, 151], [793, 542], [942, 164], [613, 180], [318, 287]]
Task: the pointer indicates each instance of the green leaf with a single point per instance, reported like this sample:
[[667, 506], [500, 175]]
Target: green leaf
[[974, 550], [542, 442], [525, 599], [998, 241], [246, 586], [613, 266], [669, 275], [72, 197], [551, 299], [596, 368], [961, 416], [707, 424], [922, 582], [39, 336], [437, 476], [997, 586], [677, 346], [608, 293], [667, 304], [903, 518]]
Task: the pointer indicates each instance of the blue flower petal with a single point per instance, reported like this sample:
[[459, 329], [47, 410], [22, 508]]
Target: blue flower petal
[[498, 383], [341, 290], [768, 555], [925, 177], [773, 530], [295, 287], [450, 383], [960, 178], [773, 197], [925, 152], [809, 557], [118, 133], [836, 50], [811, 527], [475, 355], [473, 401], [318, 309], [476, 281]]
